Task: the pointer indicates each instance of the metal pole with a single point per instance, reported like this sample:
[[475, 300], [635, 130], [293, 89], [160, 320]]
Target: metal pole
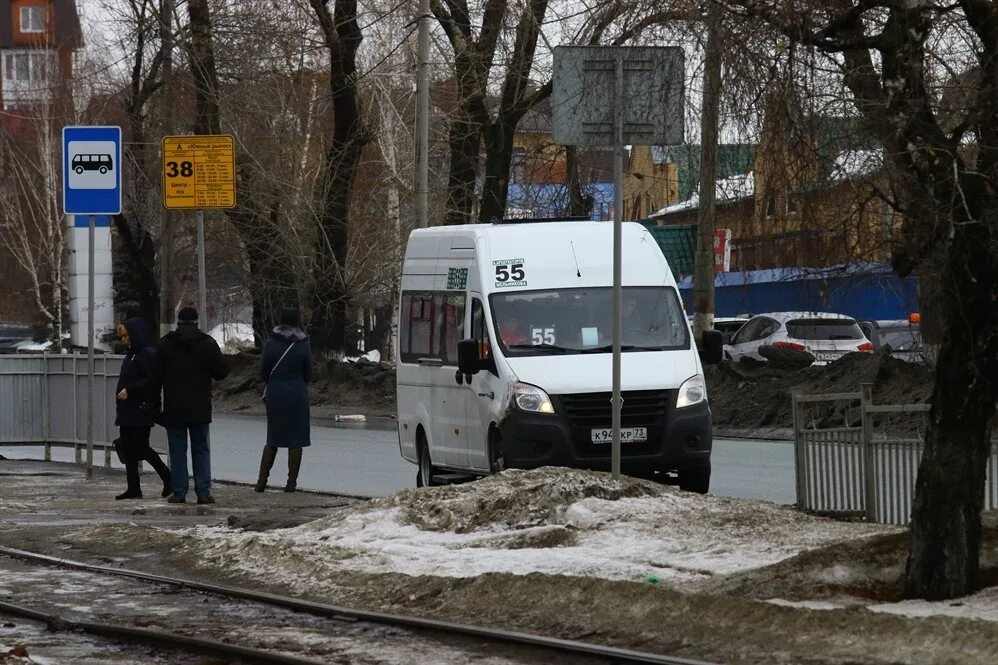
[[165, 253], [703, 269], [869, 454], [423, 115], [618, 216], [92, 222], [202, 278]]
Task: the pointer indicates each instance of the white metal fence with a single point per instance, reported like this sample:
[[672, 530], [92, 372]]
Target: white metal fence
[[43, 402], [856, 458]]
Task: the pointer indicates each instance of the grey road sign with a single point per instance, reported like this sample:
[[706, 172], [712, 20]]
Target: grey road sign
[[584, 99]]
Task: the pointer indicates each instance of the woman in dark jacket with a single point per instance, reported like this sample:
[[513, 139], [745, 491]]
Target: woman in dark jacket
[[135, 403], [286, 368]]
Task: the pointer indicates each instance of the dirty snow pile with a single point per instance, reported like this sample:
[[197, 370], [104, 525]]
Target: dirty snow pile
[[554, 521]]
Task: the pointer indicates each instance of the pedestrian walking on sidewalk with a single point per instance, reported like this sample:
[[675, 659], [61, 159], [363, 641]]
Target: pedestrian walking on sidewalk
[[136, 407], [188, 360], [286, 368]]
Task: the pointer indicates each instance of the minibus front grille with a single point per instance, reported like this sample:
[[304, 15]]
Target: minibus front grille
[[641, 408]]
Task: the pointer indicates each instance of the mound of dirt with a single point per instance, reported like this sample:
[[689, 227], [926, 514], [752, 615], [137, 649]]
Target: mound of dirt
[[549, 520], [514, 499], [360, 383], [758, 395]]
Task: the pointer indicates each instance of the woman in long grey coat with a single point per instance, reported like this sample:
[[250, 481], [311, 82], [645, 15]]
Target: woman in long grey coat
[[286, 368]]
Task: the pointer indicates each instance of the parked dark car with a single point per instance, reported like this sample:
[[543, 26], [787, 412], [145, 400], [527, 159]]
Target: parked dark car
[[903, 337]]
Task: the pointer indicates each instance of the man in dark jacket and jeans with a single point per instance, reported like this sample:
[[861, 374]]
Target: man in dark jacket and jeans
[[188, 361]]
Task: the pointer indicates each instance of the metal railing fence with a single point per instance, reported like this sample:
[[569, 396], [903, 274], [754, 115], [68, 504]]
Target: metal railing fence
[[43, 403], [850, 460]]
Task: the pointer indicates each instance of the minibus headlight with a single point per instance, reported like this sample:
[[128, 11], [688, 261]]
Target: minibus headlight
[[531, 398], [693, 391]]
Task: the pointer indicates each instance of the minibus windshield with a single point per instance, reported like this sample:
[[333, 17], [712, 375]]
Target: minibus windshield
[[574, 321]]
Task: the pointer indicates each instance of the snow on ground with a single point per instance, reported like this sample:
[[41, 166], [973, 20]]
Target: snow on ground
[[373, 356], [232, 336], [553, 521], [982, 605]]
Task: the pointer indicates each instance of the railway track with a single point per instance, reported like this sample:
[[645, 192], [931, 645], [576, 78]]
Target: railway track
[[272, 609]]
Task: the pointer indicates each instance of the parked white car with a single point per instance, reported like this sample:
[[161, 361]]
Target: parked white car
[[826, 336]]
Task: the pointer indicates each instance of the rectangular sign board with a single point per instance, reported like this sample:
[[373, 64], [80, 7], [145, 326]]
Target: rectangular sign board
[[91, 170], [584, 105], [199, 172]]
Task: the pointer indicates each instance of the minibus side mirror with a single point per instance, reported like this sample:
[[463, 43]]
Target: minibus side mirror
[[712, 347], [468, 359]]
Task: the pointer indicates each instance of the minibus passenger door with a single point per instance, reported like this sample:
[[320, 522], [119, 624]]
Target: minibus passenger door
[[481, 393]]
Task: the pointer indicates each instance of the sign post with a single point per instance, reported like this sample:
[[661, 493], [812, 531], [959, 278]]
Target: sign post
[[199, 172], [646, 108], [91, 186]]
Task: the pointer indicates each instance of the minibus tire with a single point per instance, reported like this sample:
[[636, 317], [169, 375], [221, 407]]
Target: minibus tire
[[695, 479], [423, 459], [497, 459]]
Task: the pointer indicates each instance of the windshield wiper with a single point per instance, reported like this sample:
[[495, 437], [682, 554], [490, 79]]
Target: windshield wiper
[[609, 348], [542, 347]]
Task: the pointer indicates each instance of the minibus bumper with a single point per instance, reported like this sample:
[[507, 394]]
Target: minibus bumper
[[680, 439]]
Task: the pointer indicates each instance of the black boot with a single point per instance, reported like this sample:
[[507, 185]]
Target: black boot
[[162, 470], [294, 466], [266, 463], [134, 490]]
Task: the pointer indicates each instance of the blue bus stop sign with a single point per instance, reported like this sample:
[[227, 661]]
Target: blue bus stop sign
[[91, 170]]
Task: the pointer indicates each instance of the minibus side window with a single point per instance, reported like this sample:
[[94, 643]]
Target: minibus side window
[[432, 323], [416, 336]]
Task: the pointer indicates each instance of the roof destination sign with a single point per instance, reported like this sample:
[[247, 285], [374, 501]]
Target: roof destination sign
[[199, 172]]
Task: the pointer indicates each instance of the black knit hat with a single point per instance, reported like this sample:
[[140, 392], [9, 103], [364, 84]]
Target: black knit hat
[[290, 317], [187, 315]]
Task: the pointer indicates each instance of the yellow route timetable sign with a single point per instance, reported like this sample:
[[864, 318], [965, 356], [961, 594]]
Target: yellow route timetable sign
[[199, 172]]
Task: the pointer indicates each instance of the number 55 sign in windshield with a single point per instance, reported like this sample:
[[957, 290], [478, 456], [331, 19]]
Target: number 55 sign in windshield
[[198, 172]]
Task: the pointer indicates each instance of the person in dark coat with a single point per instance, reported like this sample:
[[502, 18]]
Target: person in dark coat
[[286, 368], [188, 360], [136, 404]]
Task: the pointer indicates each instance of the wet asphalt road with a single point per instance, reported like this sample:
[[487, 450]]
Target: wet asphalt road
[[366, 461]]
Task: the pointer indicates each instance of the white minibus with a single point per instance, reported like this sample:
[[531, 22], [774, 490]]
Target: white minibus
[[505, 354]]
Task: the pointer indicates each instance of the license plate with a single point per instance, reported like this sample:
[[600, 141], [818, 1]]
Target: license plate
[[627, 435], [827, 356]]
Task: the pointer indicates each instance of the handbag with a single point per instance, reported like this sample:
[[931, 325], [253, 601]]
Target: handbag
[[271, 375]]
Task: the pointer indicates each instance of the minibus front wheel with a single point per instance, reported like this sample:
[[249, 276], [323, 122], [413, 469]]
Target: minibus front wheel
[[497, 457]]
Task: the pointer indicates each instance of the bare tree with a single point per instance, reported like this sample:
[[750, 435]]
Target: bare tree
[[135, 274], [342, 38], [34, 227], [943, 161]]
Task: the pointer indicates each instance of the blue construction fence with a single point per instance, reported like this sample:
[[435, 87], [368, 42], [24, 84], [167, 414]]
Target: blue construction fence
[[863, 291]]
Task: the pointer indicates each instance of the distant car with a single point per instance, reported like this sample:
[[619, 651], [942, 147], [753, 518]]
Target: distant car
[[825, 336], [13, 335], [903, 337]]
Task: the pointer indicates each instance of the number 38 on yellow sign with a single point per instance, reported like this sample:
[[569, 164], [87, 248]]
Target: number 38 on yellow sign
[[199, 172]]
